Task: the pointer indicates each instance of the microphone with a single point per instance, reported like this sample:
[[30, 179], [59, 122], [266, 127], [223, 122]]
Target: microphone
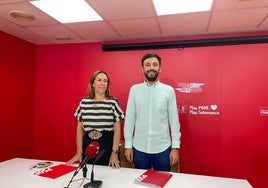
[[95, 183], [91, 151]]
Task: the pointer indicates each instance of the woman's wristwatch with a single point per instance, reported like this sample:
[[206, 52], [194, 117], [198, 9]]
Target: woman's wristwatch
[[115, 151]]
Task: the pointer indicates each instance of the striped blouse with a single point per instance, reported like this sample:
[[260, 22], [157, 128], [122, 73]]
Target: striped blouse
[[99, 115]]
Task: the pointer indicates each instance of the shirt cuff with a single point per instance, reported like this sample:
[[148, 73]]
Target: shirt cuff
[[128, 144]]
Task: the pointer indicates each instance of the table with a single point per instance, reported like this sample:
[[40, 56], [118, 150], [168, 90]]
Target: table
[[17, 173]]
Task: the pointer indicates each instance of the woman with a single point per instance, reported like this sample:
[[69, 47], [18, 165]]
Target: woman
[[99, 116]]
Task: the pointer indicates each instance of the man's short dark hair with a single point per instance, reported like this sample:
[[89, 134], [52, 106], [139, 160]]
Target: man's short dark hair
[[150, 55]]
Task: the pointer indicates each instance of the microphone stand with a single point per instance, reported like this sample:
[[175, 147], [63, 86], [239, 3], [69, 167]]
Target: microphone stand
[[84, 177], [70, 181], [91, 151], [95, 183]]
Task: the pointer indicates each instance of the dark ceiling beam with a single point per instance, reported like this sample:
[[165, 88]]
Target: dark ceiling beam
[[186, 43]]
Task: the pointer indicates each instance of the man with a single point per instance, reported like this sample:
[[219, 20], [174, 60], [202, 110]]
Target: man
[[152, 129]]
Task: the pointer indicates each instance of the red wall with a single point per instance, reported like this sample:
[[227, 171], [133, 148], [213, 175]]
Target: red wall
[[17, 80], [232, 142]]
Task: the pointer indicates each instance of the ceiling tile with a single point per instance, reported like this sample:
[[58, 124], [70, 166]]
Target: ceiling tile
[[123, 9], [264, 24], [94, 31], [137, 28], [53, 32], [185, 24], [239, 4], [242, 19]]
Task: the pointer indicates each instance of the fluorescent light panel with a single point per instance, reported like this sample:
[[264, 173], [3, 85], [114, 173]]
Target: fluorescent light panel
[[166, 7], [67, 11]]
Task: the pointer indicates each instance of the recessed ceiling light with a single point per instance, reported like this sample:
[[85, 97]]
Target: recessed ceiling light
[[67, 11], [181, 6], [21, 15]]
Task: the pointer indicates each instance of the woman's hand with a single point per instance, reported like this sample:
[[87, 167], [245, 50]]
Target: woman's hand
[[76, 158], [114, 162]]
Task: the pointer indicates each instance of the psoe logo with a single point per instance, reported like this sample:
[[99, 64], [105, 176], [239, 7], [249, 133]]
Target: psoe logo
[[213, 107], [264, 111], [204, 109], [182, 109], [184, 87]]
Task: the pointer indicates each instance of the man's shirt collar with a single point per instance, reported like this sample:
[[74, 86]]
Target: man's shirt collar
[[155, 83]]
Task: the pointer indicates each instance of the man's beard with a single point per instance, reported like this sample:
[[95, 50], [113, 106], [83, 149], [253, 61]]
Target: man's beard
[[151, 78]]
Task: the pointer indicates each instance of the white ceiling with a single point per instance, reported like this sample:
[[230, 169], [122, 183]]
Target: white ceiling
[[135, 19]]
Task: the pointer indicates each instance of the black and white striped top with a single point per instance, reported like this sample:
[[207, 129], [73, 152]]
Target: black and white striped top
[[99, 115]]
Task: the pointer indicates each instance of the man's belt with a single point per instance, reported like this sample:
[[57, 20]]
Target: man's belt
[[94, 134]]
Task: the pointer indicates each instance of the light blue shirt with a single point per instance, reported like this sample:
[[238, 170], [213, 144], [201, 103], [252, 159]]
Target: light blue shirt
[[152, 121]]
